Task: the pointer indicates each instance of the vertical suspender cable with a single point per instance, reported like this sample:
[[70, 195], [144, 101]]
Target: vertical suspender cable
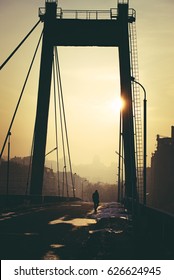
[[56, 127], [66, 131], [61, 123]]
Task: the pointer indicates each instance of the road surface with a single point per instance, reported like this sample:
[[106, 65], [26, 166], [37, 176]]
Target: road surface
[[70, 230], [59, 231]]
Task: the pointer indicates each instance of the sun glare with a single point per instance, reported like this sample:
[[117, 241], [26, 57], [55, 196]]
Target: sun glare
[[117, 104]]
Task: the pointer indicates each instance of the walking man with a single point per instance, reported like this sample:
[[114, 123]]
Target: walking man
[[95, 198]]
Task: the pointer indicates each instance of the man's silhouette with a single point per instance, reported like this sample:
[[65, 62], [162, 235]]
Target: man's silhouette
[[95, 198]]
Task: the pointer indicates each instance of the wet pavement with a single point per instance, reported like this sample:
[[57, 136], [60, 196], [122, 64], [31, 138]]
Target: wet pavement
[[62, 231], [68, 231]]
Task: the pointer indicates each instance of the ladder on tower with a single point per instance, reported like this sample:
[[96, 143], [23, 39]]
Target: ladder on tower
[[136, 109]]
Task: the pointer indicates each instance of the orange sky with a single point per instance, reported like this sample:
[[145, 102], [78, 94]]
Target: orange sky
[[90, 79]]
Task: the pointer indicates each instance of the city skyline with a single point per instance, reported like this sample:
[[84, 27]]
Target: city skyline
[[90, 79]]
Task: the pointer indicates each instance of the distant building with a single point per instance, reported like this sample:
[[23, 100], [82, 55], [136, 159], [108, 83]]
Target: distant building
[[19, 178], [162, 174], [21, 160]]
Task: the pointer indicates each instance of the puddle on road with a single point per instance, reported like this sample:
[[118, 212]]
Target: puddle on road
[[8, 214], [6, 218], [57, 246], [106, 230], [124, 217], [78, 222], [20, 233], [31, 233], [50, 255]]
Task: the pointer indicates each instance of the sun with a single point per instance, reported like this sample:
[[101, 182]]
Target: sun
[[117, 104]]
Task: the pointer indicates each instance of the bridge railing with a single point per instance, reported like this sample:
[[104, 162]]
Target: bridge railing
[[158, 226], [85, 14], [111, 14]]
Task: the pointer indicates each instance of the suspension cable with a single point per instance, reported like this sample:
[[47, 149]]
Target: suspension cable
[[56, 128], [61, 123], [66, 130], [15, 50], [20, 97]]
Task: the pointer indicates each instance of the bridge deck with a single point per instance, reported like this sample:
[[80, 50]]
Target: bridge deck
[[71, 230]]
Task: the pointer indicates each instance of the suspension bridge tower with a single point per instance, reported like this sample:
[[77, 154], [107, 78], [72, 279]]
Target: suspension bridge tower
[[84, 28]]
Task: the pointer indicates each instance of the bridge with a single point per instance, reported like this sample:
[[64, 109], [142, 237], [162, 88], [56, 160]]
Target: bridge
[[107, 28]]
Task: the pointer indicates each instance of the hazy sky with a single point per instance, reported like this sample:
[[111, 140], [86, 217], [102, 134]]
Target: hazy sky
[[90, 79]]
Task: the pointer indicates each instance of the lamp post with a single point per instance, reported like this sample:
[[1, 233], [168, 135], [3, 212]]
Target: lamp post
[[66, 179], [74, 181], [82, 187], [63, 181], [8, 165], [145, 136]]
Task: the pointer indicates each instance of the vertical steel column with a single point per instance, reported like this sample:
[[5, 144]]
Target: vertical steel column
[[40, 132], [127, 111], [145, 148], [119, 159]]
